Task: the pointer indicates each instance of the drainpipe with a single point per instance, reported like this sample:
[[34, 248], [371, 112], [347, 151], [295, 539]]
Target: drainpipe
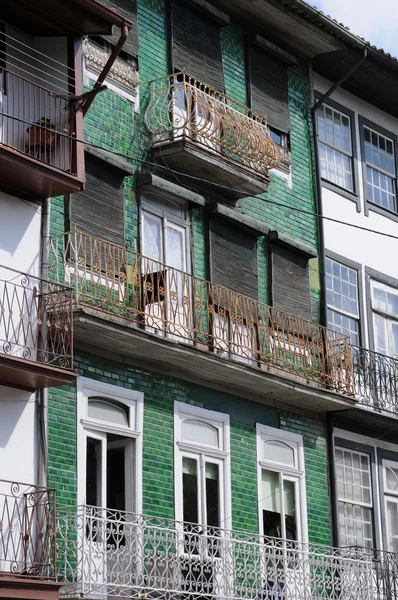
[[321, 247], [42, 395], [109, 64], [318, 179]]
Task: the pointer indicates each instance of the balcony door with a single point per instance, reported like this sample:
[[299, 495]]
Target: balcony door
[[166, 280], [109, 457], [202, 503]]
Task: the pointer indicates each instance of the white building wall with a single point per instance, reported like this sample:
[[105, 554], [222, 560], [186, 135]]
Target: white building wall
[[368, 249]]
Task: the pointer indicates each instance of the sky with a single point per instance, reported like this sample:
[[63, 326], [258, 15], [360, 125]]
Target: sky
[[375, 21]]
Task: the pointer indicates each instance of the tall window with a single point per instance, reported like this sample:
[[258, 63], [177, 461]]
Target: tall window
[[281, 484], [390, 472], [354, 493], [380, 169], [335, 147], [342, 299], [385, 318]]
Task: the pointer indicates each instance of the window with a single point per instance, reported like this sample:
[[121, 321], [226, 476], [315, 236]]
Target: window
[[380, 171], [336, 147], [342, 299], [354, 494], [385, 318], [281, 484], [390, 473]]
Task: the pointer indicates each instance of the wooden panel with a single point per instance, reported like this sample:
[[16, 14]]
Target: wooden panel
[[197, 44], [233, 257], [99, 210], [269, 91], [290, 282]]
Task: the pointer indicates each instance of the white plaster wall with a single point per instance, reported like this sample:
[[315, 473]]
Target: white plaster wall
[[20, 226], [366, 248], [18, 443]]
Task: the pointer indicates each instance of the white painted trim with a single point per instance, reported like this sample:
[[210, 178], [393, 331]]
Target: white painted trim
[[363, 440], [264, 432], [133, 399], [134, 99], [222, 422]]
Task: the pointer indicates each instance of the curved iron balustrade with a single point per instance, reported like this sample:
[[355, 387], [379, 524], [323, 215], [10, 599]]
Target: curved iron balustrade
[[183, 108]]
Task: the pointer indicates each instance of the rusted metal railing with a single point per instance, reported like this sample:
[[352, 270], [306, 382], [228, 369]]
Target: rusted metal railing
[[35, 319], [27, 530], [36, 122], [181, 107], [173, 304]]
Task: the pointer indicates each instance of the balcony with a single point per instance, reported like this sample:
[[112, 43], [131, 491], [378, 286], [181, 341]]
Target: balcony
[[35, 331], [38, 155], [199, 131], [27, 541], [177, 323], [376, 380], [107, 553]]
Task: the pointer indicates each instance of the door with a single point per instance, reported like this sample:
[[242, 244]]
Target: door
[[167, 292], [109, 529]]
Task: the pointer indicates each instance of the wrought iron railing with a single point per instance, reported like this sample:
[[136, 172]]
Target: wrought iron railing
[[181, 107], [35, 319], [173, 304], [376, 379], [384, 583], [37, 122], [104, 553], [27, 530]]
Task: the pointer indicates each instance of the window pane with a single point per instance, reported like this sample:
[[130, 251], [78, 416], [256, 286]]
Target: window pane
[[394, 336], [190, 489], [391, 479], [271, 503], [152, 237], [380, 325], [107, 411], [279, 452], [289, 494], [392, 525], [380, 173], [175, 248], [355, 526], [353, 476], [197, 431], [212, 494], [93, 472], [334, 131], [342, 294]]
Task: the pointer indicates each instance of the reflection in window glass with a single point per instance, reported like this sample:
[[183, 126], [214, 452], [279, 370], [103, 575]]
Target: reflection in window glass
[[335, 149], [342, 299], [380, 169]]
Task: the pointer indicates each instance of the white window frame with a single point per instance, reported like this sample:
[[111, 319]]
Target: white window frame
[[326, 144], [340, 311], [297, 473], [134, 402], [379, 170], [388, 318], [219, 420]]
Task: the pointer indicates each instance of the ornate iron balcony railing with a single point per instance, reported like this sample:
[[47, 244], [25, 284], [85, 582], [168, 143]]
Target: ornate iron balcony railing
[[103, 553], [27, 530], [176, 305], [35, 319], [376, 379], [37, 123], [183, 108]]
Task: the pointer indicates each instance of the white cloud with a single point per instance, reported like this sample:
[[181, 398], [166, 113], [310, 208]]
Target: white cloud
[[374, 20]]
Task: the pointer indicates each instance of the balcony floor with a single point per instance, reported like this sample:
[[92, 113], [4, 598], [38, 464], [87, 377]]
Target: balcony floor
[[31, 375], [25, 588], [23, 176], [124, 341], [187, 157]]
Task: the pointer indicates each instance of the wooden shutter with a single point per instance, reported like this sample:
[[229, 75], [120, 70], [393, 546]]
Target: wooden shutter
[[290, 281], [197, 44], [269, 89], [233, 257], [99, 210], [128, 9]]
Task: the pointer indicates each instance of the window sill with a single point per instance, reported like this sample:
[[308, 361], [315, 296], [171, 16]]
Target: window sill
[[333, 187], [384, 212]]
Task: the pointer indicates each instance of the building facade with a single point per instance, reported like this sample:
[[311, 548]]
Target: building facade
[[195, 442]]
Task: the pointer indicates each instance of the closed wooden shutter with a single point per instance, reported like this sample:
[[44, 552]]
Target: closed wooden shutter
[[269, 88], [233, 258], [127, 9], [99, 210], [197, 45], [290, 281]]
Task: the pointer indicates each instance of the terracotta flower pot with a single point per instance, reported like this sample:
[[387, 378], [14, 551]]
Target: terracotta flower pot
[[40, 135]]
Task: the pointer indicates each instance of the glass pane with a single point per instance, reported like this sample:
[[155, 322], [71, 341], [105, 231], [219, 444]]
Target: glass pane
[[289, 496], [107, 411], [212, 494], [197, 431], [152, 237], [392, 300], [279, 452], [93, 472], [391, 479], [190, 491], [270, 491], [116, 479], [392, 525], [175, 248], [380, 334], [379, 299]]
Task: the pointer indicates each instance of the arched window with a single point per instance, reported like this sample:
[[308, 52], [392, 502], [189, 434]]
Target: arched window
[[201, 432], [106, 409]]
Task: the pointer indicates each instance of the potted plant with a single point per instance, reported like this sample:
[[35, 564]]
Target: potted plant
[[40, 133]]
